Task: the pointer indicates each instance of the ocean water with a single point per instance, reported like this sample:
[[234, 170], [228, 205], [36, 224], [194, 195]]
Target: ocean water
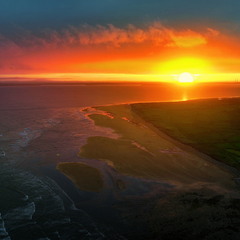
[[80, 95]]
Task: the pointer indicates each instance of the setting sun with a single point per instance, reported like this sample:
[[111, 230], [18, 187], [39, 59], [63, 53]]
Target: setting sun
[[185, 77]]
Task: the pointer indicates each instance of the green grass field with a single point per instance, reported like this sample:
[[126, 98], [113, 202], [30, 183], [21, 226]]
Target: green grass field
[[211, 126]]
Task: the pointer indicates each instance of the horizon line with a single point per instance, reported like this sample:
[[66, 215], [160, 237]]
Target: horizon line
[[116, 77]]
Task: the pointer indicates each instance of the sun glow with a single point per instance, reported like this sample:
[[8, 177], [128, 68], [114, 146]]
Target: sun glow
[[185, 78], [181, 65]]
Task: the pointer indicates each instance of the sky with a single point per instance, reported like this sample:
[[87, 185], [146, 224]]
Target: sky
[[138, 37]]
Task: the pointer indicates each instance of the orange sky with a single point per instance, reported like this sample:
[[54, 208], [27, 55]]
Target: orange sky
[[152, 50]]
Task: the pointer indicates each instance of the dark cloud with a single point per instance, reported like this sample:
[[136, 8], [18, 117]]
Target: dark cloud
[[39, 14], [155, 34]]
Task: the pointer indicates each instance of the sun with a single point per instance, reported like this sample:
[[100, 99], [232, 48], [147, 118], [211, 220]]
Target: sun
[[185, 78]]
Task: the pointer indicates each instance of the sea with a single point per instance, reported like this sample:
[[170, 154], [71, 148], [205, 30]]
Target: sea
[[59, 95]]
